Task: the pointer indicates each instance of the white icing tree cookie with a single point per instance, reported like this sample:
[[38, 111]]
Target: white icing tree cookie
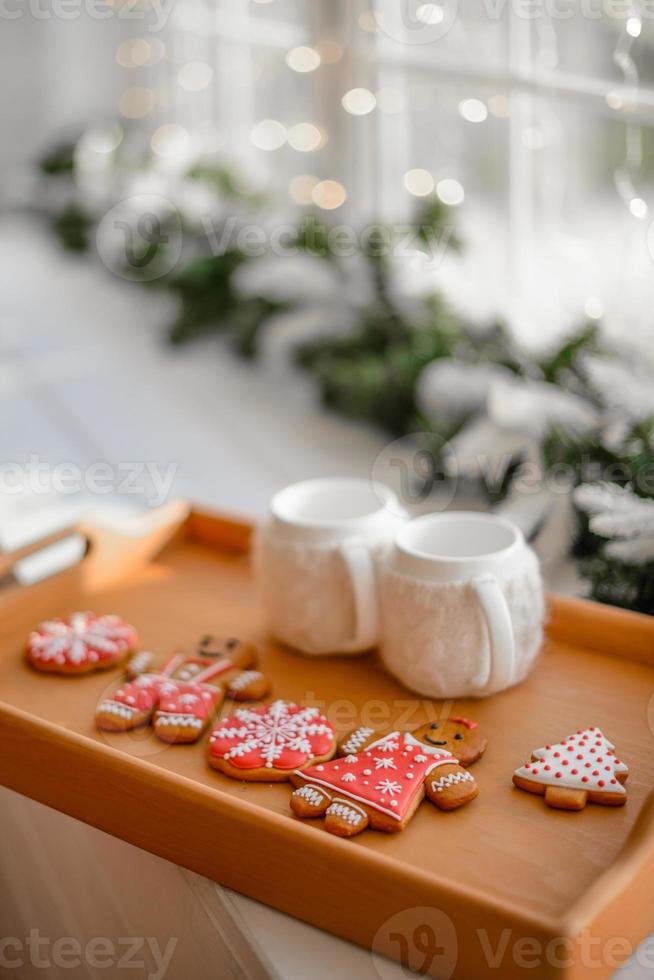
[[580, 769]]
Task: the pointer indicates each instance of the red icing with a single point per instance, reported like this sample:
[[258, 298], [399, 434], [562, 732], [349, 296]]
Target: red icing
[[276, 736], [398, 766], [466, 721], [79, 640]]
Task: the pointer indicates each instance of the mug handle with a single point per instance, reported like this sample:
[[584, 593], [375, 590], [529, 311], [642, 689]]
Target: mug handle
[[501, 665], [361, 569]]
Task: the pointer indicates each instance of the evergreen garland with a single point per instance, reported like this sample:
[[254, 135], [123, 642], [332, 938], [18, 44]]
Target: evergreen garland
[[377, 370]]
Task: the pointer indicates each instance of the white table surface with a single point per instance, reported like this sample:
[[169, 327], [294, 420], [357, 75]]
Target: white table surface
[[85, 375]]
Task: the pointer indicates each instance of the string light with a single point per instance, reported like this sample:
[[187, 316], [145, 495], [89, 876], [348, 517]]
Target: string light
[[450, 191], [136, 102], [430, 13], [614, 100], [328, 194], [103, 140], [359, 101], [634, 26], [625, 174], [304, 137], [303, 59], [268, 134], [170, 140], [195, 76], [301, 188], [473, 110], [499, 106], [593, 308], [133, 53], [419, 182], [330, 52]]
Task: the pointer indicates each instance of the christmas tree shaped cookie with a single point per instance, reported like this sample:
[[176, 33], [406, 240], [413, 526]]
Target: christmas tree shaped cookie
[[580, 769]]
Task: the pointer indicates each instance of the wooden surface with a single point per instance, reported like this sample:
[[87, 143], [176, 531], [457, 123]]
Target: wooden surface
[[505, 859]]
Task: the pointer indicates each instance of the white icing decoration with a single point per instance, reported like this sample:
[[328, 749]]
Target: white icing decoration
[[584, 760], [71, 640], [348, 777], [420, 758], [389, 786], [387, 763], [350, 759], [311, 795], [356, 740], [241, 681], [273, 731], [346, 811], [450, 780], [367, 772]]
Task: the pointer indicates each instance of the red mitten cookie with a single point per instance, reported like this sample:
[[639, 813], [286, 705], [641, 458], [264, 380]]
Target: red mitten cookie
[[580, 769], [382, 784], [266, 744], [80, 643]]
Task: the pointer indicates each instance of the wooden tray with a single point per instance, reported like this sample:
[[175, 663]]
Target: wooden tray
[[502, 870]]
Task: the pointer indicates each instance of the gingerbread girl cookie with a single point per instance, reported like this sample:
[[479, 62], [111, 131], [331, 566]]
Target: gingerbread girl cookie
[[266, 744], [380, 780], [579, 769], [80, 643]]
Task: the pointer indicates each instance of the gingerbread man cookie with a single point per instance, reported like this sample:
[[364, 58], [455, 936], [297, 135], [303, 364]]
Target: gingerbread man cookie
[[266, 744], [80, 643], [380, 780], [181, 699], [579, 769]]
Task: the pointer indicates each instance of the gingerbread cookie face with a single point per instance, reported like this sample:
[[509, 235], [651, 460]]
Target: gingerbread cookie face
[[80, 643], [382, 784], [459, 736], [580, 769], [267, 744]]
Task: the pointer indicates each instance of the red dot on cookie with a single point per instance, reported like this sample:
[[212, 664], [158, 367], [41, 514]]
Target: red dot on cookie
[[574, 772], [558, 775], [601, 783], [565, 763], [557, 755], [613, 782], [580, 757], [584, 779], [595, 772], [547, 768]]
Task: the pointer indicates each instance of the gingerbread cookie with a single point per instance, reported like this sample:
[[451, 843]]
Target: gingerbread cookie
[[580, 769], [380, 780], [266, 744], [181, 698], [80, 643]]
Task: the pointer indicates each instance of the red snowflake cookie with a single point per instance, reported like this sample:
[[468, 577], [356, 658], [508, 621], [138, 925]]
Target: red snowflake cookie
[[79, 643], [271, 742]]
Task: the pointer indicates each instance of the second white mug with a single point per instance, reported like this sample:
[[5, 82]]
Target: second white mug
[[462, 605]]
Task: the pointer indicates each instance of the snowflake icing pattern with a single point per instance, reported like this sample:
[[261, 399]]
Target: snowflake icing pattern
[[389, 786], [384, 763], [271, 732], [81, 636]]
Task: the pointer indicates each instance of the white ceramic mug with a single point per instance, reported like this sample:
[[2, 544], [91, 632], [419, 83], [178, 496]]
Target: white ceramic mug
[[462, 605], [316, 562]]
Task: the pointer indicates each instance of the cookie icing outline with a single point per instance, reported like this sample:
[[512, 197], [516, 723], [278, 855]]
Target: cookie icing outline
[[580, 765]]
